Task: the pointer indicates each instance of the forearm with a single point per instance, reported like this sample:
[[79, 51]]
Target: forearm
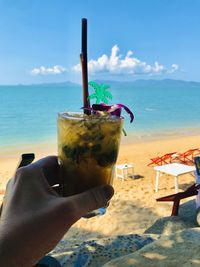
[[14, 250], [12, 256], [24, 243]]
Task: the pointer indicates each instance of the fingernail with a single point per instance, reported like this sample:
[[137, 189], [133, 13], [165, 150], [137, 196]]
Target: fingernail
[[108, 191]]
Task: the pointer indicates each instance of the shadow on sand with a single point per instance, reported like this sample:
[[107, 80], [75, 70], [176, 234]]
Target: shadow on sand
[[178, 244]]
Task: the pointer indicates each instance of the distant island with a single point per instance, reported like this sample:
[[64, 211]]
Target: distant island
[[59, 84], [153, 82], [136, 83]]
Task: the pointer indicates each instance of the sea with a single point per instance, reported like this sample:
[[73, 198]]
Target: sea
[[28, 113]]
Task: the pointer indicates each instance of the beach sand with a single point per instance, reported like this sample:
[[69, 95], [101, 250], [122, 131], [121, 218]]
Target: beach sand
[[133, 208]]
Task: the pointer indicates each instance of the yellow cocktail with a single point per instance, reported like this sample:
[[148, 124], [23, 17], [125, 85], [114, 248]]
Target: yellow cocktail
[[87, 149]]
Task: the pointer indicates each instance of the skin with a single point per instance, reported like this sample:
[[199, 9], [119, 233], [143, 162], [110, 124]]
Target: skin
[[35, 218]]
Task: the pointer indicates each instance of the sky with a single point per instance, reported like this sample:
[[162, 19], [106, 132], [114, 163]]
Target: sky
[[40, 40]]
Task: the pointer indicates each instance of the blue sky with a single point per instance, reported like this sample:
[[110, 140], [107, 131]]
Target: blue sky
[[127, 40]]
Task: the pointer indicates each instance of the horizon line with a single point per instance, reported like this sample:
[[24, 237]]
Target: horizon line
[[109, 80]]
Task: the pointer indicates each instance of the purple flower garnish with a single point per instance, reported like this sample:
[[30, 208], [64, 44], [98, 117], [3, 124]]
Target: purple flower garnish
[[113, 110]]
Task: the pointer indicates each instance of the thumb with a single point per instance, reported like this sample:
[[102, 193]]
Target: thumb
[[90, 200]]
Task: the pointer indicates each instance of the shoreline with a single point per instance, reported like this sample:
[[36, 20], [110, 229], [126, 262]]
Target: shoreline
[[130, 147], [50, 143]]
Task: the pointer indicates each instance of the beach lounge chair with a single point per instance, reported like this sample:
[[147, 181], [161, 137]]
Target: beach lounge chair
[[165, 159], [187, 157], [26, 159], [191, 191]]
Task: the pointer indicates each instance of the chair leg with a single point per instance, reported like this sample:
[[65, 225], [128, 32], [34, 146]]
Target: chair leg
[[157, 180], [176, 184], [175, 207]]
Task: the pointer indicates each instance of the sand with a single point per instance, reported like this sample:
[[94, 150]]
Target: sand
[[133, 208]]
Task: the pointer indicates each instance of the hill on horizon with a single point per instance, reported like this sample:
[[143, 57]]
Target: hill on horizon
[[138, 83]]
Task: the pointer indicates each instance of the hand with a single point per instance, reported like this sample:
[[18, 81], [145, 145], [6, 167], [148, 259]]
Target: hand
[[34, 217]]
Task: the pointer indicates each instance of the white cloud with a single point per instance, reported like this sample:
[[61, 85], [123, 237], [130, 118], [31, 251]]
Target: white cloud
[[48, 71], [174, 67], [116, 64]]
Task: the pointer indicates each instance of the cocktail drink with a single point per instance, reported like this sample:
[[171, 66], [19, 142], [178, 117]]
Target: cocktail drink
[[87, 149], [88, 143]]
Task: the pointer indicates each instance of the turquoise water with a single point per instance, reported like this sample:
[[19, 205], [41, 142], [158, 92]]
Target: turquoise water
[[28, 113]]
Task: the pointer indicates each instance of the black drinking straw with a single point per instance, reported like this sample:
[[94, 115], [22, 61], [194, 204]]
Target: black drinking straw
[[84, 67]]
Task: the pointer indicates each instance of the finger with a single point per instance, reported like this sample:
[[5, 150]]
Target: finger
[[80, 204], [50, 168]]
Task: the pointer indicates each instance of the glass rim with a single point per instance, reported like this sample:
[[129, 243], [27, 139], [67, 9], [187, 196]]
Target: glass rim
[[81, 116]]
